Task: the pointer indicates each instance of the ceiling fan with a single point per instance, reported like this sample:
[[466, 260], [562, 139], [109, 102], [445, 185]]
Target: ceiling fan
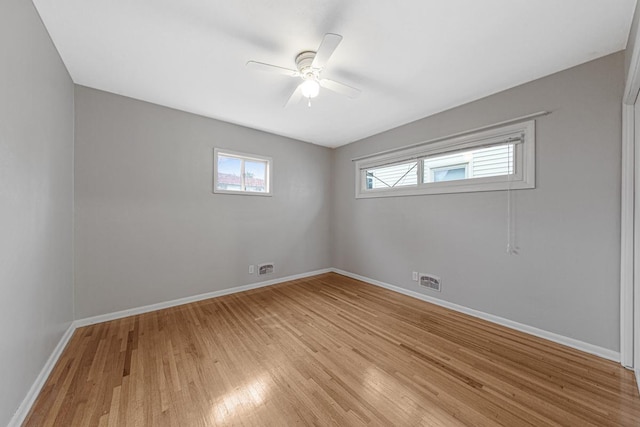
[[309, 67]]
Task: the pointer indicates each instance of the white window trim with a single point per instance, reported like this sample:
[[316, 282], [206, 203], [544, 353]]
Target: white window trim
[[524, 164], [246, 156]]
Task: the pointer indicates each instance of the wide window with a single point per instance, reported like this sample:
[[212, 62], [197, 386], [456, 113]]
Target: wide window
[[240, 173], [496, 159]]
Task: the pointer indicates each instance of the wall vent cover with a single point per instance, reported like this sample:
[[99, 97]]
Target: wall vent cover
[[430, 281], [266, 268]]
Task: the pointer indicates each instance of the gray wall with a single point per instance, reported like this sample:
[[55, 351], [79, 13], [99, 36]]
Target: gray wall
[[148, 227], [566, 278], [36, 201]]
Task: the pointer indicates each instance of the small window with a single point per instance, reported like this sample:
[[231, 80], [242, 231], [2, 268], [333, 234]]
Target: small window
[[496, 159], [239, 173]]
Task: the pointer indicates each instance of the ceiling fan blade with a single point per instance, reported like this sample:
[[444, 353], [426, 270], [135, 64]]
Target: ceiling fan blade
[[261, 66], [340, 88], [295, 97], [329, 43]]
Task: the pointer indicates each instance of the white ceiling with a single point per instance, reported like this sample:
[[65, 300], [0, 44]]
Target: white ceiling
[[410, 58]]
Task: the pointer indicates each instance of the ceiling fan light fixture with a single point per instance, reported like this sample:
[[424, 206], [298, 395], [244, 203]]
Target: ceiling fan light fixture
[[310, 88]]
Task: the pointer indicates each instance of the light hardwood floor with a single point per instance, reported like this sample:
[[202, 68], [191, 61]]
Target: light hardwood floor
[[326, 350]]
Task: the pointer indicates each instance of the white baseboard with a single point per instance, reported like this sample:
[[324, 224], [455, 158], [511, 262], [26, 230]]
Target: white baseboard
[[186, 300], [637, 371], [551, 336], [24, 408]]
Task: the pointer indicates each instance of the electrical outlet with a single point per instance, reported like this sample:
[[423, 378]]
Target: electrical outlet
[[414, 276], [251, 269]]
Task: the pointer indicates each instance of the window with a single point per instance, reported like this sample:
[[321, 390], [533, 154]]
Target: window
[[496, 159], [239, 173]]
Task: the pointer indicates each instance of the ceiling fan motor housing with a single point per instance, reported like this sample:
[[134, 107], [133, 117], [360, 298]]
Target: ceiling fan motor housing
[[304, 62]]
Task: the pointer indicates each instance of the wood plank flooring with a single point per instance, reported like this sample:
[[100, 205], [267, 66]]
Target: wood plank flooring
[[326, 350]]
